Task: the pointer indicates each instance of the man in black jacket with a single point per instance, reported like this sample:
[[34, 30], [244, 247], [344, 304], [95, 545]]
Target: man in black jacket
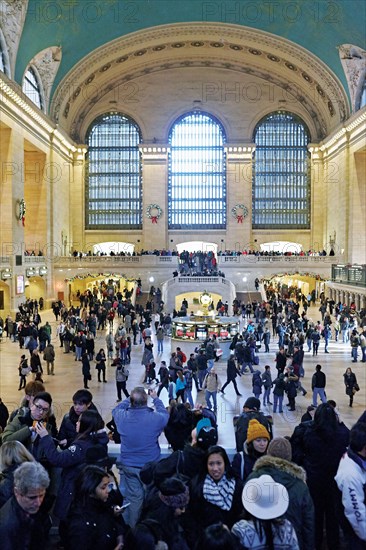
[[82, 400], [318, 383], [22, 524]]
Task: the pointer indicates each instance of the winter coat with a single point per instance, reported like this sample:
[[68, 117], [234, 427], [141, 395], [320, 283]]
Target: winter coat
[[92, 525], [19, 531], [202, 513], [232, 371], [49, 353], [18, 430], [267, 379], [351, 481], [279, 385], [140, 428], [7, 484], [72, 461], [257, 383], [301, 508], [68, 425]]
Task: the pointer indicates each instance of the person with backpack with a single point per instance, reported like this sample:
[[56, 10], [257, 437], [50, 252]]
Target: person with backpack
[[121, 375], [257, 383], [355, 342], [267, 384], [254, 447], [24, 369], [211, 385], [251, 410]]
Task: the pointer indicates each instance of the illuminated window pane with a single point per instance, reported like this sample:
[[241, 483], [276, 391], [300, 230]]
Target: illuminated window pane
[[281, 176], [113, 176], [31, 88], [197, 175]]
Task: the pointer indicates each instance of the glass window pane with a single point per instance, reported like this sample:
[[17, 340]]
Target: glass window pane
[[281, 174], [113, 176], [197, 173], [31, 88]]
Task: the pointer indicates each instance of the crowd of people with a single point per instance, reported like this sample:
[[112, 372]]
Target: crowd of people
[[272, 493]]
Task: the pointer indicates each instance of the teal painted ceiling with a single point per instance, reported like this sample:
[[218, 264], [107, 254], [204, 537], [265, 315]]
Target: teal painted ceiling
[[80, 26]]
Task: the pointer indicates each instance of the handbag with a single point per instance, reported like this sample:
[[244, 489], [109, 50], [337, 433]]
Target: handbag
[[356, 387], [256, 360], [89, 376]]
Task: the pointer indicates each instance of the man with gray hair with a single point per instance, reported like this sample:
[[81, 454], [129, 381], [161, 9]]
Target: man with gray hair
[[22, 523], [139, 427]]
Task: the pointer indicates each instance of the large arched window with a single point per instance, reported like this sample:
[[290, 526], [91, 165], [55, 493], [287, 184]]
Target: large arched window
[[32, 87], [197, 181], [281, 175], [113, 175]]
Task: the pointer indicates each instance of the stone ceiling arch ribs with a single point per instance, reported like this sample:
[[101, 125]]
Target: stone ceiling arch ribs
[[245, 39], [315, 121]]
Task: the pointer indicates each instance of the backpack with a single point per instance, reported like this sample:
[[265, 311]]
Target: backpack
[[241, 424]]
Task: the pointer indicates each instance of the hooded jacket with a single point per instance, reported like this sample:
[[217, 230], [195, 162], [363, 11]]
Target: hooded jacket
[[301, 509], [351, 481]]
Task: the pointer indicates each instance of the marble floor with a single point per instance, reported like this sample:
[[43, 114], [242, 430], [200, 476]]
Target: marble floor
[[68, 379]]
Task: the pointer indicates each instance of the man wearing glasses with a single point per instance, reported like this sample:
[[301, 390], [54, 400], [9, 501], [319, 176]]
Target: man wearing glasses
[[22, 427]]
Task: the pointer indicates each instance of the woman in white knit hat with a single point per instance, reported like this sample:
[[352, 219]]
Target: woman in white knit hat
[[265, 502]]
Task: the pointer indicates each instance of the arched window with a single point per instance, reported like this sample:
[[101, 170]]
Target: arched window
[[281, 174], [197, 175], [4, 57], [32, 87], [113, 175]]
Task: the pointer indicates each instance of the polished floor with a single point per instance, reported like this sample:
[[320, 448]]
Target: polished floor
[[68, 379]]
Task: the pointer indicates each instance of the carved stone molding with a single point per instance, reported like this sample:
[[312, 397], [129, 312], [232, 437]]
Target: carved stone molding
[[47, 63], [353, 61], [12, 13], [226, 46]]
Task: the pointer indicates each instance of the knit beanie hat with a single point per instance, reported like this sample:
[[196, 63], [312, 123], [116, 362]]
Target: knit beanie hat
[[174, 493], [256, 430], [280, 447], [252, 403]]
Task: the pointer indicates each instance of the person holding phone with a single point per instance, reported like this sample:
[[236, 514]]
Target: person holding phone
[[92, 522]]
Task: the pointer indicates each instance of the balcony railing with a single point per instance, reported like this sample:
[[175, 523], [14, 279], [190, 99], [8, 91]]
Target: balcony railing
[[150, 260]]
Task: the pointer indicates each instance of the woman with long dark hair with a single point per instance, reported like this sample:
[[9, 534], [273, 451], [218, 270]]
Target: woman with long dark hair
[[215, 494], [318, 446], [92, 522], [350, 381], [90, 432]]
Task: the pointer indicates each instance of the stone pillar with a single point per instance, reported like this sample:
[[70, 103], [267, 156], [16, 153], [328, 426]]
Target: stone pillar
[[77, 201], [155, 177], [239, 190], [318, 198]]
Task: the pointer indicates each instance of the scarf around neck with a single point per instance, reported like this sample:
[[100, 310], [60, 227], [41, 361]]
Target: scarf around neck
[[221, 493]]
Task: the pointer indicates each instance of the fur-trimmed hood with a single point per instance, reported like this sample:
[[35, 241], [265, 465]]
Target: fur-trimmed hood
[[280, 464]]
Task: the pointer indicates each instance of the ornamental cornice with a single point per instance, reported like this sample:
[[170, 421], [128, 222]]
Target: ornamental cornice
[[317, 113], [238, 44]]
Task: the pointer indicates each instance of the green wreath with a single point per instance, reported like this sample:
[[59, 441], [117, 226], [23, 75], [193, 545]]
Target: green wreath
[[239, 217], [154, 212]]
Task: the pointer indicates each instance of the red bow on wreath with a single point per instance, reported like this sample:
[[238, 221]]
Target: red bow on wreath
[[240, 219], [23, 221], [154, 219]]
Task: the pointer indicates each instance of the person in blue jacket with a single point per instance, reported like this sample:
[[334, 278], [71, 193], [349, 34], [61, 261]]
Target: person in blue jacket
[[139, 427]]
